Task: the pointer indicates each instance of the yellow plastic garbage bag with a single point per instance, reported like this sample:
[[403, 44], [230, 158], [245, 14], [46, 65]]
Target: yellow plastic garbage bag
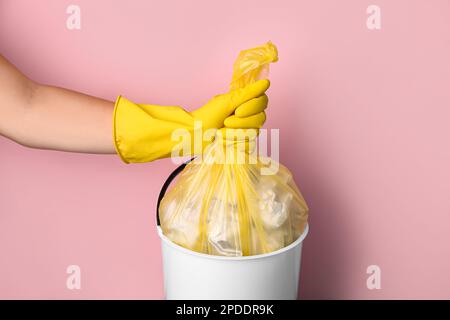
[[233, 205]]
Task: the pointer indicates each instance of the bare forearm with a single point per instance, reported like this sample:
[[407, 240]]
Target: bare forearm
[[52, 118], [66, 120]]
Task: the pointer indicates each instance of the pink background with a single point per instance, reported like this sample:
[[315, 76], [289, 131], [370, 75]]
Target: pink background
[[364, 128]]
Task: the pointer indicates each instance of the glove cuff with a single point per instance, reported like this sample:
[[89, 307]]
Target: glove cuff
[[143, 133], [116, 137]]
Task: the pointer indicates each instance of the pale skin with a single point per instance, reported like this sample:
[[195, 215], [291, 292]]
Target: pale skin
[[47, 117]]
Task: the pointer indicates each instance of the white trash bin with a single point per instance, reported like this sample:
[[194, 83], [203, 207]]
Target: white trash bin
[[192, 275]]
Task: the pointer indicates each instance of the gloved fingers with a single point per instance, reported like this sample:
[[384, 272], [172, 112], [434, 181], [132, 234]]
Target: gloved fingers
[[256, 89], [237, 134], [254, 121], [252, 107]]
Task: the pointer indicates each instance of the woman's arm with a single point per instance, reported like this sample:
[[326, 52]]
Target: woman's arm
[[47, 117]]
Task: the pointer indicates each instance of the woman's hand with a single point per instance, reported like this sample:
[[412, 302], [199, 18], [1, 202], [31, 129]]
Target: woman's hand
[[144, 132]]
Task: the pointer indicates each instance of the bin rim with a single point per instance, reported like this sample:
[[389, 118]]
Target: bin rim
[[240, 258]]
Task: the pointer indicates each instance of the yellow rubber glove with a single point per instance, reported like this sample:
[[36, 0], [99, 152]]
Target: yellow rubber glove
[[143, 132], [249, 115]]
